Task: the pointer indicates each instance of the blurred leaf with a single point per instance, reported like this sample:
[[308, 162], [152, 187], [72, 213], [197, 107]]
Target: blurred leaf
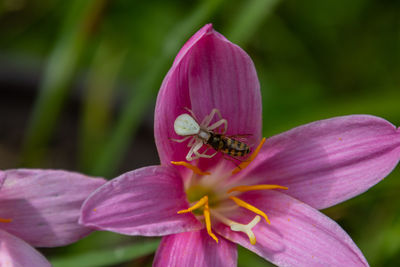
[[106, 257], [98, 101], [249, 19], [248, 258], [147, 88], [61, 67]]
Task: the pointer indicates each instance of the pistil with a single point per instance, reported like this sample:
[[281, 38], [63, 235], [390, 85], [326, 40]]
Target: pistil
[[238, 227]]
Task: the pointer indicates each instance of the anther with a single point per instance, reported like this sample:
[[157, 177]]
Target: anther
[[245, 163], [5, 220], [247, 228], [207, 219], [245, 188], [246, 205], [200, 203], [190, 166]]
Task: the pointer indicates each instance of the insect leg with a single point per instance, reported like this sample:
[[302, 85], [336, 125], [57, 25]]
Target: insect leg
[[232, 159]]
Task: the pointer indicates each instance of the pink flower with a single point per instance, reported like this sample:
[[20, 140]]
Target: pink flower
[[40, 208], [320, 164]]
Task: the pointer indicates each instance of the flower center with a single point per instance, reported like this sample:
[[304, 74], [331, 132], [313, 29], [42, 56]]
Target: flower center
[[206, 200]]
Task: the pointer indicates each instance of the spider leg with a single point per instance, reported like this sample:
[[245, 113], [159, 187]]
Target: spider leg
[[191, 142], [195, 149], [191, 113], [180, 140], [218, 124], [203, 155], [205, 151], [207, 119]]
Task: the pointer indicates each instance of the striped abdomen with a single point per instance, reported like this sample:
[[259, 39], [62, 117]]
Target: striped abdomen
[[228, 145]]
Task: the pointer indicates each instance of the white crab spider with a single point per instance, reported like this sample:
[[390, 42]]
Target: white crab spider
[[186, 125]]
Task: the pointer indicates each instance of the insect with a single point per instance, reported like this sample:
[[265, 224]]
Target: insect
[[199, 134]]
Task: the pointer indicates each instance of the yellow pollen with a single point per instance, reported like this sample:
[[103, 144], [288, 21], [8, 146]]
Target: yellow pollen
[[199, 204], [246, 228], [246, 205], [5, 220], [245, 163], [207, 218], [206, 212], [245, 188], [190, 166]]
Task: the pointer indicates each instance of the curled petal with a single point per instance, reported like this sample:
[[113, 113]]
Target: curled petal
[[298, 235], [141, 202], [14, 252], [44, 205], [209, 72], [326, 162], [195, 249]]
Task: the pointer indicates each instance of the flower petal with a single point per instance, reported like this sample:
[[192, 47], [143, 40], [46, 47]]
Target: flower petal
[[326, 162], [44, 205], [298, 234], [209, 72], [195, 249], [141, 202], [2, 178], [14, 252]]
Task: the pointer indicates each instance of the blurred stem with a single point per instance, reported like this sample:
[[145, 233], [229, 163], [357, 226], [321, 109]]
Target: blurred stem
[[146, 90], [98, 100], [79, 23], [249, 19]]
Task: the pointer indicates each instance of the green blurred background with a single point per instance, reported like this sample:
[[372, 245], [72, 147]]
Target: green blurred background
[[79, 79]]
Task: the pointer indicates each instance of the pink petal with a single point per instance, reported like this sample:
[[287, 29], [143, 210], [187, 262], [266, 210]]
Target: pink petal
[[141, 202], [16, 253], [195, 249], [44, 205], [298, 234], [209, 72], [326, 162]]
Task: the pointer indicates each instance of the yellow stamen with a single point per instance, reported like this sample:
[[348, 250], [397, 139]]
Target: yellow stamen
[[245, 163], [5, 220], [246, 228], [246, 205], [190, 166], [203, 201], [245, 188], [207, 218]]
